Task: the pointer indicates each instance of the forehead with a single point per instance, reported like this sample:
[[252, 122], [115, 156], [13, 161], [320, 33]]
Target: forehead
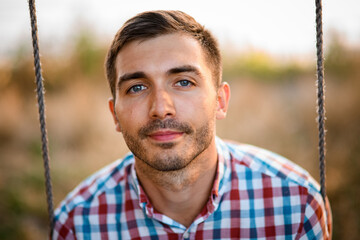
[[160, 54]]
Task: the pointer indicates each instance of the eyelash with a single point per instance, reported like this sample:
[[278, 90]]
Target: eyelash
[[131, 89], [185, 80]]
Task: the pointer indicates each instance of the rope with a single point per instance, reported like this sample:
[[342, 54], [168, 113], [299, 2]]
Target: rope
[[320, 95], [41, 105]]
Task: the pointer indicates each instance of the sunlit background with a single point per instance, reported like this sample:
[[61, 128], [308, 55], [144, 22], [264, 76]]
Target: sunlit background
[[269, 60]]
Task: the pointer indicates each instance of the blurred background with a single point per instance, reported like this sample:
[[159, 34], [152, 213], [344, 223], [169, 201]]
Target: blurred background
[[269, 60]]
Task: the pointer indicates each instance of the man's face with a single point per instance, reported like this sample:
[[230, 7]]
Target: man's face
[[166, 102]]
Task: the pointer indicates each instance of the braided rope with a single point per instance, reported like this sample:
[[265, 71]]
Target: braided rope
[[320, 95], [41, 104]]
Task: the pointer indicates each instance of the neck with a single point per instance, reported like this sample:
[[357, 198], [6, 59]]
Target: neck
[[174, 193]]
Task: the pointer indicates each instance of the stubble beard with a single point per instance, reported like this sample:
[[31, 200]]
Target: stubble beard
[[169, 159]]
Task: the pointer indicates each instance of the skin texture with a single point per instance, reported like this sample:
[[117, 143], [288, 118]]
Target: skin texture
[[166, 107]]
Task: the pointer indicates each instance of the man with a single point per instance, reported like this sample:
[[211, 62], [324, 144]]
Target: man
[[180, 181]]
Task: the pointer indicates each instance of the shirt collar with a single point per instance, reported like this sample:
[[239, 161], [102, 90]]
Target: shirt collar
[[224, 168]]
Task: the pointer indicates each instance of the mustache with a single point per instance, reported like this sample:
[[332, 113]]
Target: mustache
[[158, 124]]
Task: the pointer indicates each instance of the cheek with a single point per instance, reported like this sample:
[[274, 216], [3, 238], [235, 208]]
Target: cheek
[[129, 117], [197, 109], [208, 99]]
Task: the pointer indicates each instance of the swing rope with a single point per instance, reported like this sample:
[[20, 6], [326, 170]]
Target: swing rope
[[41, 105], [320, 95]]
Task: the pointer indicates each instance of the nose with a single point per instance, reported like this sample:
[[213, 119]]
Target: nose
[[161, 105]]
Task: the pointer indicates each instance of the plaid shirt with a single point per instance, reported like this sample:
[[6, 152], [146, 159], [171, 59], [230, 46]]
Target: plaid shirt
[[256, 195]]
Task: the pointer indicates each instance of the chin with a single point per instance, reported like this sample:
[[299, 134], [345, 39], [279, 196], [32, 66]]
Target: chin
[[170, 163]]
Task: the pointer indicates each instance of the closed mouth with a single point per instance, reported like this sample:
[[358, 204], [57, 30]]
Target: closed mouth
[[165, 135]]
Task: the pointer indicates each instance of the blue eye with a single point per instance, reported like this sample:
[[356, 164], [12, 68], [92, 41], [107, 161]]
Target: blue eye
[[136, 88], [184, 83]]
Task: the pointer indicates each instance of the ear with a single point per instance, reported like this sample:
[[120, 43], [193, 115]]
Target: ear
[[112, 110], [223, 98]]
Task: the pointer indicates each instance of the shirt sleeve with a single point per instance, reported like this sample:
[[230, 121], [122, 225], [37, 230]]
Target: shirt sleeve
[[63, 225], [317, 223]]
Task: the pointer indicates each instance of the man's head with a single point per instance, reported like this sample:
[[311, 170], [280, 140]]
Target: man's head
[[152, 24], [165, 102]]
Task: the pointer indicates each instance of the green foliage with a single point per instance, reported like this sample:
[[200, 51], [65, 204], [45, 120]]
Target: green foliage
[[88, 55], [260, 67], [11, 209], [341, 61]]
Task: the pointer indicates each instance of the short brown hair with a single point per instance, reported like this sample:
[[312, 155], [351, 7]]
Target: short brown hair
[[155, 23]]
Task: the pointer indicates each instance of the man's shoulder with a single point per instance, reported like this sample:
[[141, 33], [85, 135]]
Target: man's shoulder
[[268, 163], [105, 179]]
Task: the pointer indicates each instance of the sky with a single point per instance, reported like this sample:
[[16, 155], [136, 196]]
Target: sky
[[276, 26]]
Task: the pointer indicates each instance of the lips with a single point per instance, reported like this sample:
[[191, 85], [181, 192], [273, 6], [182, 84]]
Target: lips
[[164, 136], [165, 130]]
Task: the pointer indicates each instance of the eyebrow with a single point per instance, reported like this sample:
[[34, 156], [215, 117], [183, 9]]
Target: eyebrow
[[185, 68], [130, 76]]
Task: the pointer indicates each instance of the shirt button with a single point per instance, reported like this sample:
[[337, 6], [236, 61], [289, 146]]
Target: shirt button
[[186, 234]]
